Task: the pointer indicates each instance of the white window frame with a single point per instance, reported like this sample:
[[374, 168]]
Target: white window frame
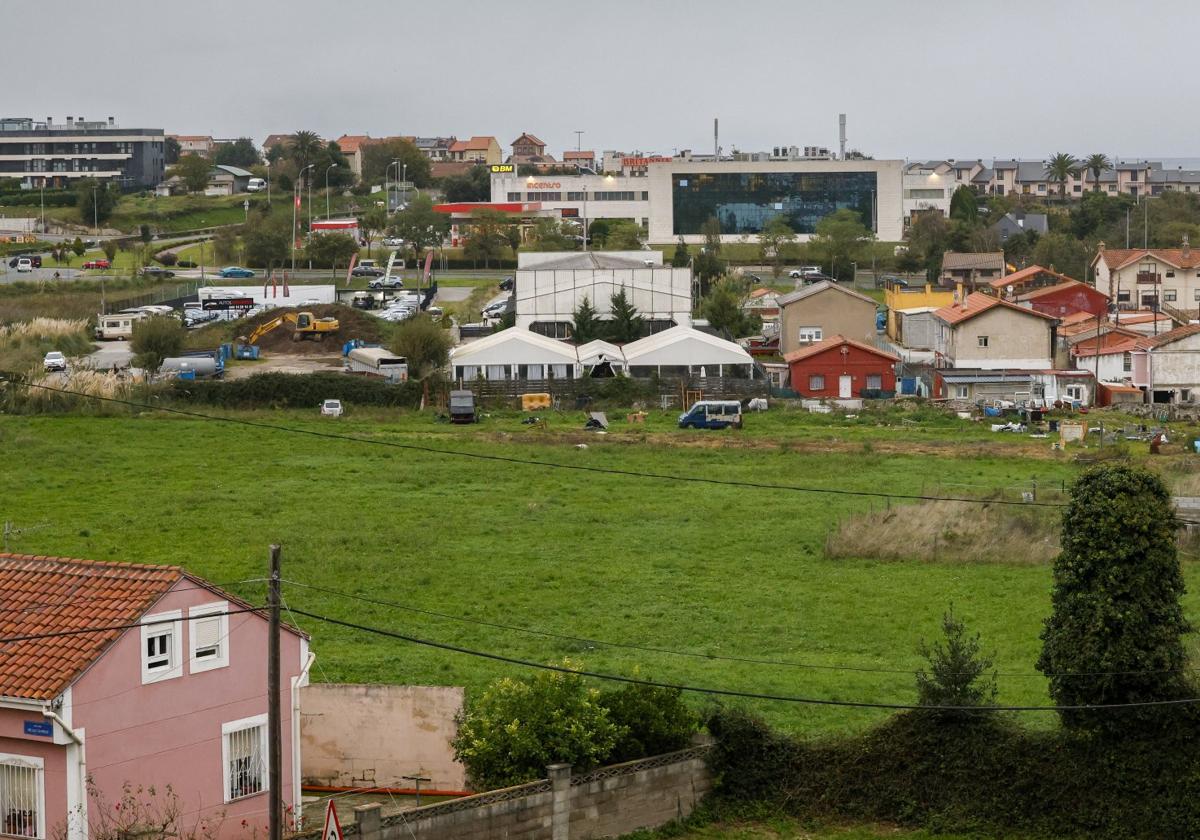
[[982, 341], [1075, 392], [811, 335], [153, 625], [962, 392], [221, 660], [230, 728], [813, 379], [38, 765]]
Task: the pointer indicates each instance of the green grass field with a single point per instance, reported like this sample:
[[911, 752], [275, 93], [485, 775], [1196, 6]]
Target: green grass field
[[699, 568]]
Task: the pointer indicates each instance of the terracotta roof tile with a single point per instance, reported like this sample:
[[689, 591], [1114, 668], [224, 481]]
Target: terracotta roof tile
[[1019, 278], [41, 594], [832, 342], [976, 304], [1066, 284], [1150, 342], [1120, 257]]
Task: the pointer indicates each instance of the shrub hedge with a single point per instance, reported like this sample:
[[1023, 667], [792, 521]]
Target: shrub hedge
[[982, 774], [291, 390]]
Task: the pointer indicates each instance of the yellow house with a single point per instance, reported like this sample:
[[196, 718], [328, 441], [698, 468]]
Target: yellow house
[[898, 297]]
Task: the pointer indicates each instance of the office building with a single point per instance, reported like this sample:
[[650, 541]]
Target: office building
[[56, 154]]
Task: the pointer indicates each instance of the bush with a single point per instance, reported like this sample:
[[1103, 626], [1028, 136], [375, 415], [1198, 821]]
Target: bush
[[155, 339], [655, 720], [292, 390], [516, 727], [983, 775], [957, 674]]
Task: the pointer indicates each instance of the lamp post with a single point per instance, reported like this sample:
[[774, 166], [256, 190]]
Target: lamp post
[[268, 182], [327, 169], [404, 184], [387, 193], [301, 175], [43, 201], [95, 212]]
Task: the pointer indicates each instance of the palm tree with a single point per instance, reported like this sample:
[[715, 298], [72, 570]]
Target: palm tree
[[1097, 163], [1060, 169], [303, 146]]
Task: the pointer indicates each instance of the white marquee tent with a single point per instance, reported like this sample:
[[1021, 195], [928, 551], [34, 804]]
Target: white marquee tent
[[515, 354], [682, 350]]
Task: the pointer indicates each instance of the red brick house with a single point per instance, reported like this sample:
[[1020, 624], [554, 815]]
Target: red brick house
[[838, 368], [1066, 298]]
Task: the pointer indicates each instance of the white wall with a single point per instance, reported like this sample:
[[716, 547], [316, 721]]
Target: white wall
[[554, 295], [589, 208]]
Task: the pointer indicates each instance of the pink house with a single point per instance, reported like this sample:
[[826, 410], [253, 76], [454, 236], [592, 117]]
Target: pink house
[[178, 699]]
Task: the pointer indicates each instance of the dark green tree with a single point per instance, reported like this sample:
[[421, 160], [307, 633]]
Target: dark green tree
[[627, 323], [424, 344], [145, 234], [624, 235], [681, 257], [773, 243], [171, 151], [550, 235], [96, 200], [225, 245], [378, 162], [655, 721], [266, 241], [330, 249], [712, 235], [303, 147], [722, 307], [1063, 253], [587, 324], [109, 247], [193, 170], [475, 185], [1060, 169], [839, 238], [1115, 633], [957, 670], [964, 205], [486, 238], [78, 247], [597, 231], [419, 226], [1098, 164], [241, 152], [155, 339]]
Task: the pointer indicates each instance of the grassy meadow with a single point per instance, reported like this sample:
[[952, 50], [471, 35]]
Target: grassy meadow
[[700, 568]]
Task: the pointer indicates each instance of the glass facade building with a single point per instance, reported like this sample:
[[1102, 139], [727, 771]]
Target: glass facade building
[[743, 202]]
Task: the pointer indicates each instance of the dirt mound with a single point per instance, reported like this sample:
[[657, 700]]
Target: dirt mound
[[352, 323]]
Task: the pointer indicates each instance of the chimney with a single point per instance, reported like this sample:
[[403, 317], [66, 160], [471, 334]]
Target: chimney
[[1186, 250], [961, 294]]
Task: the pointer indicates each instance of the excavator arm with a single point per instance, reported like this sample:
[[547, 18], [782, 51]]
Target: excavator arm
[[267, 326]]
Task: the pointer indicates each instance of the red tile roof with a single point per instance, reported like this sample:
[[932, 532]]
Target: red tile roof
[[1120, 257], [52, 594], [1019, 278], [1150, 342], [976, 304], [475, 144], [579, 155], [527, 139], [1061, 287], [351, 143], [1123, 345], [832, 342], [445, 168]]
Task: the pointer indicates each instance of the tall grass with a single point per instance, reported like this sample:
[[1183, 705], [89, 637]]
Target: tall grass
[[84, 383], [23, 345]]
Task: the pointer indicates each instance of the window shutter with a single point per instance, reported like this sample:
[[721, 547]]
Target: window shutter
[[208, 636]]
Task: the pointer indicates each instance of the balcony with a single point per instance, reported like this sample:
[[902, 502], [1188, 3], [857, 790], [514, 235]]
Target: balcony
[[1149, 277]]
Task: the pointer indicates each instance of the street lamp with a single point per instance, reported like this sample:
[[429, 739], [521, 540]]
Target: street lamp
[[387, 193], [404, 184], [95, 212], [268, 182], [295, 203], [331, 166]]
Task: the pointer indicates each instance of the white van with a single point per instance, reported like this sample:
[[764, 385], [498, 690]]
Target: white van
[[256, 185], [24, 264]]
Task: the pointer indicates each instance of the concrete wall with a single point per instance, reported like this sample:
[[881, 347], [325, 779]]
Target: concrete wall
[[609, 802], [1015, 341], [374, 735]]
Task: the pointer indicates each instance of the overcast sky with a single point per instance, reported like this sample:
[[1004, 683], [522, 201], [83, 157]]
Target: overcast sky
[[916, 79]]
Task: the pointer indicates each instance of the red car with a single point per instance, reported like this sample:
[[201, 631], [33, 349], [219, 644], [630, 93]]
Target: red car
[[97, 264]]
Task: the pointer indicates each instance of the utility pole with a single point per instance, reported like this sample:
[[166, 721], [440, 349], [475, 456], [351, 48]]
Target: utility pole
[[578, 139], [274, 724], [416, 780]]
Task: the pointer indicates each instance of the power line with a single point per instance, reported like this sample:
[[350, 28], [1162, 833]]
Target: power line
[[726, 692], [783, 663], [507, 459], [80, 631]]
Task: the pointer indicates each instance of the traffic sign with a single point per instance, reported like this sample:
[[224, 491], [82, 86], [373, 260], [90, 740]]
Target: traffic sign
[[333, 828]]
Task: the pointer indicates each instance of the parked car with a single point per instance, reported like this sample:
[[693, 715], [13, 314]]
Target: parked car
[[386, 283], [393, 242], [506, 285], [35, 260], [97, 264], [712, 414], [496, 310], [24, 264], [331, 408], [367, 271], [236, 272], [310, 302], [157, 271], [804, 271], [54, 361]]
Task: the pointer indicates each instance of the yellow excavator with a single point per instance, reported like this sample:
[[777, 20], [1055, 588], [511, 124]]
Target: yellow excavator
[[304, 325]]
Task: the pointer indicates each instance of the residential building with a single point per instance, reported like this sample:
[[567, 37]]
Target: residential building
[[447, 168], [58, 154], [550, 286], [1011, 224], [273, 140], [1067, 298], [1026, 280], [1167, 278], [176, 701], [971, 270], [1167, 366], [930, 185], [1109, 361], [840, 368], [352, 146], [901, 297], [580, 159], [1033, 388], [194, 144], [985, 332], [481, 150], [823, 310], [434, 148], [528, 147]]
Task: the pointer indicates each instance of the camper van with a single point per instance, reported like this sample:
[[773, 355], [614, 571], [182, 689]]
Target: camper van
[[117, 326], [377, 361], [712, 414], [256, 185]]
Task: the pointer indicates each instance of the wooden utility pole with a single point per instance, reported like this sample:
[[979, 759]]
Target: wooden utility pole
[[274, 724]]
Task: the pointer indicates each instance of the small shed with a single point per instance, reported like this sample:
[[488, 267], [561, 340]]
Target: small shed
[[839, 368], [683, 351], [600, 358], [514, 354]]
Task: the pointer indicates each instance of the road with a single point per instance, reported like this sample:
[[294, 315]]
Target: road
[[110, 353]]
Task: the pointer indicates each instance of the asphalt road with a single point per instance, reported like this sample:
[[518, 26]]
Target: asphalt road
[[109, 353]]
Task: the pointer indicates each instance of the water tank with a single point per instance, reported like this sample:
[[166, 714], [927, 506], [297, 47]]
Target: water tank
[[199, 365]]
